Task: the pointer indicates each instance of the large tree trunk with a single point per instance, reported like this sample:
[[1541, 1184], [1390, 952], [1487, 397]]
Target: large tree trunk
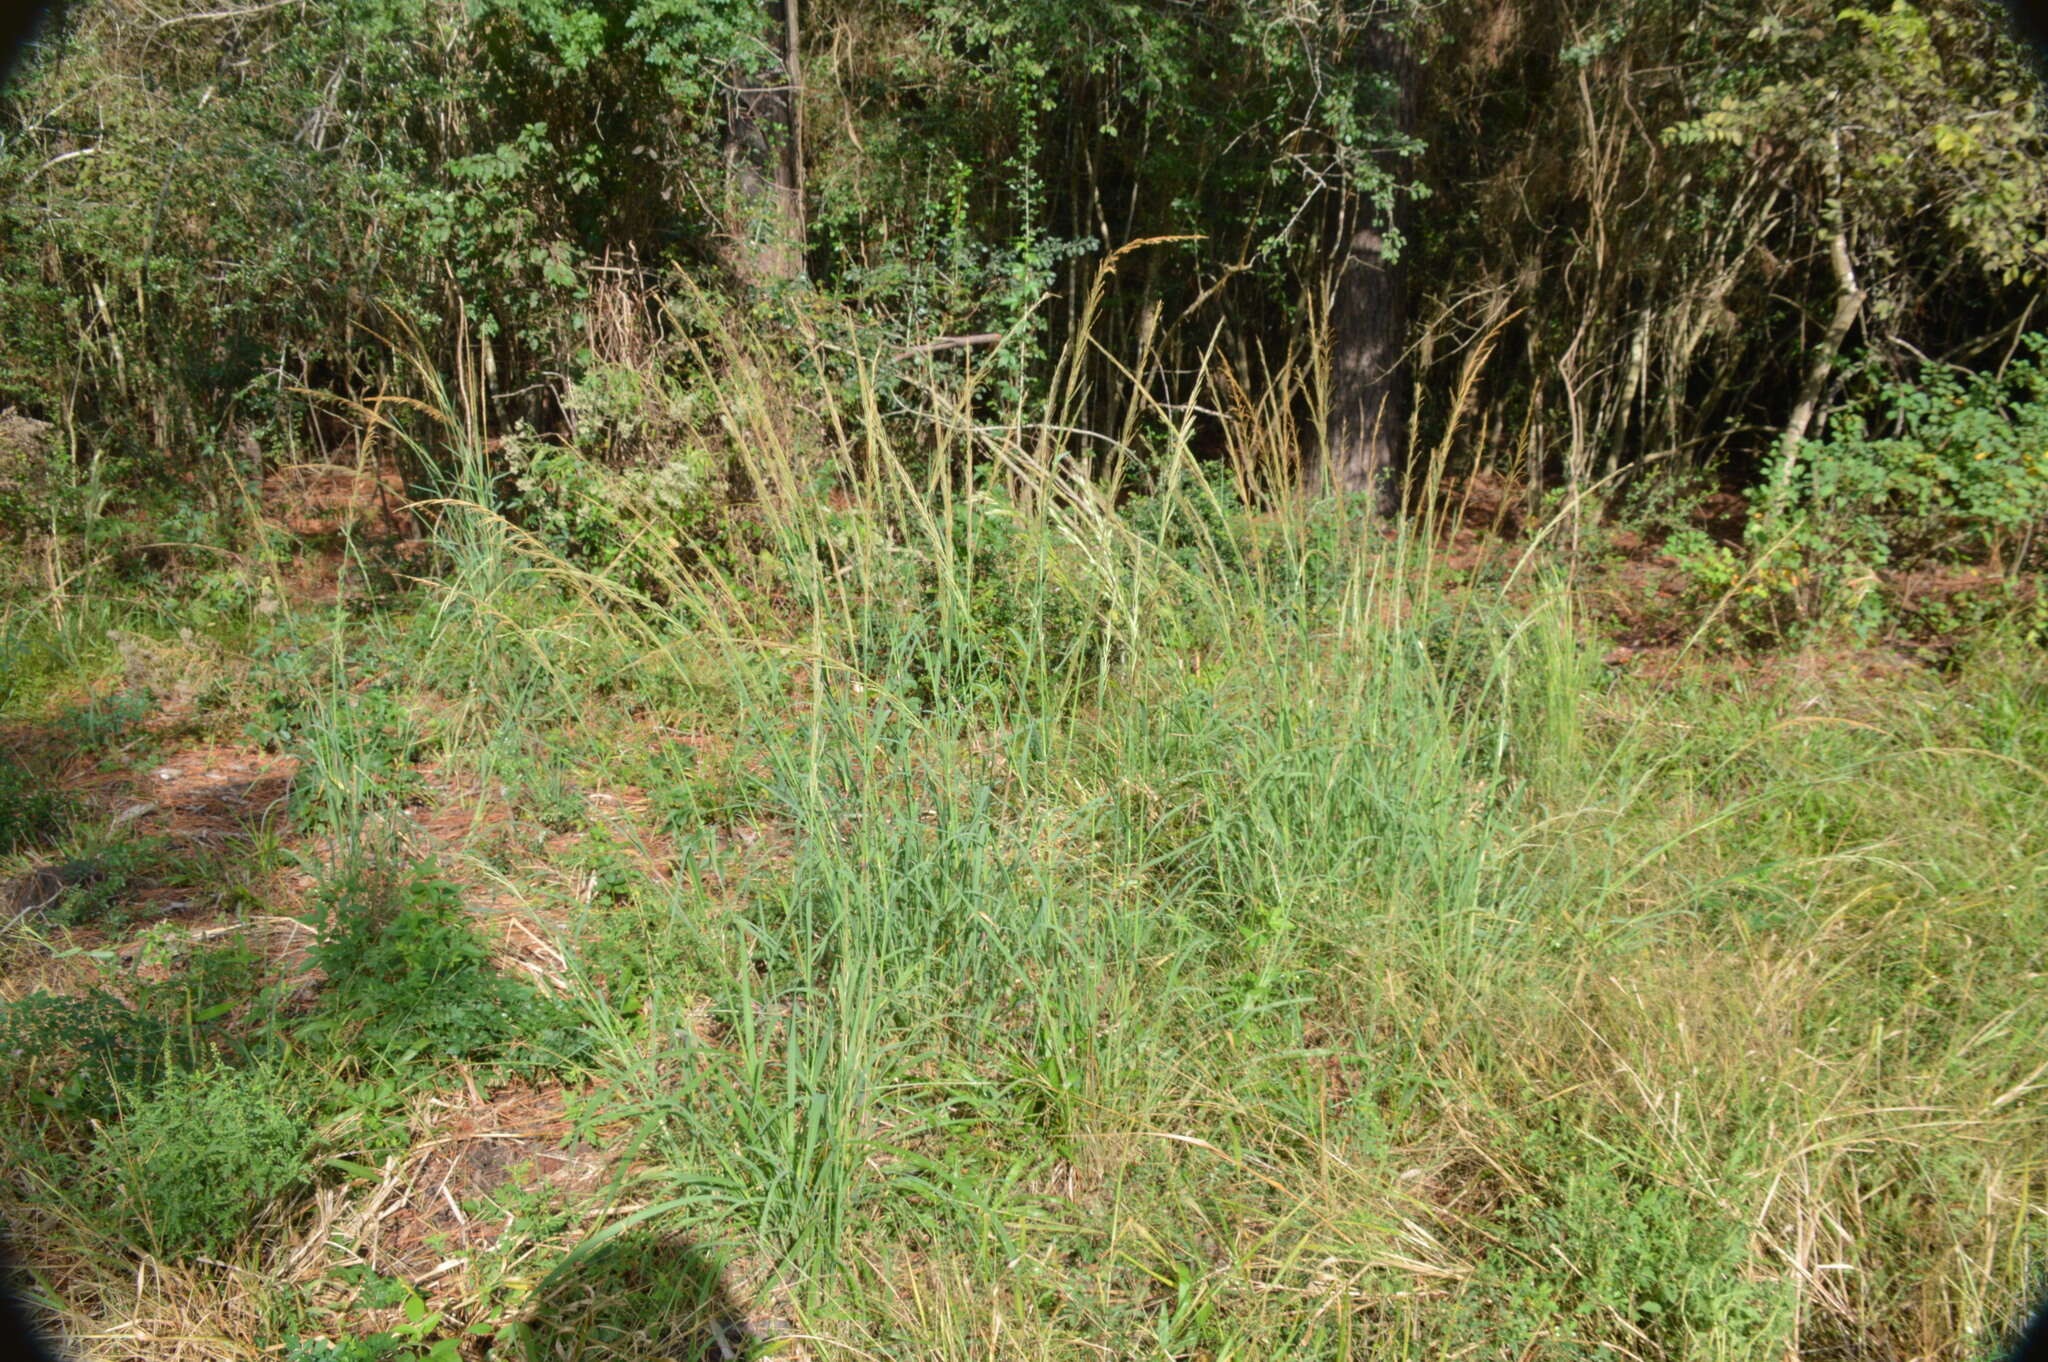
[[1366, 426], [765, 209]]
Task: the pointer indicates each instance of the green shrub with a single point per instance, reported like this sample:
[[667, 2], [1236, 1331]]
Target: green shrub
[[1946, 458], [408, 980], [1198, 520], [31, 813], [635, 482], [205, 1153], [72, 1054], [993, 606], [1911, 469], [1670, 1265]]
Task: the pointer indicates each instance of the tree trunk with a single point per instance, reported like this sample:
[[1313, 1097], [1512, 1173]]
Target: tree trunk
[[764, 212], [1368, 418], [1848, 306], [1366, 427]]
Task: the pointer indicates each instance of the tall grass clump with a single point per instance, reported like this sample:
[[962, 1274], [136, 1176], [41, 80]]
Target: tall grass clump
[[1201, 931]]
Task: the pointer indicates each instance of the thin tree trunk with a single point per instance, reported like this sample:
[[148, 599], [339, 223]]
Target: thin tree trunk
[[1848, 306], [765, 219]]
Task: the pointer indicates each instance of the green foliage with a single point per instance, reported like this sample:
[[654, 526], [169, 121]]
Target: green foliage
[[1912, 465], [1891, 112], [408, 981], [420, 1336], [991, 605], [598, 516], [1913, 469], [100, 880], [72, 1053], [1190, 932], [1197, 520], [99, 723], [635, 483], [433, 160], [1669, 1269], [283, 673], [32, 812], [200, 1155]]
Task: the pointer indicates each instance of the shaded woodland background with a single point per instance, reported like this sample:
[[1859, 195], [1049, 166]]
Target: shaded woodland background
[[1787, 250]]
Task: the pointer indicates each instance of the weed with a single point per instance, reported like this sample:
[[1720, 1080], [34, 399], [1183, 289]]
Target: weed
[[32, 812], [419, 1336], [70, 1054], [99, 724], [200, 1155], [99, 881], [408, 980], [999, 608]]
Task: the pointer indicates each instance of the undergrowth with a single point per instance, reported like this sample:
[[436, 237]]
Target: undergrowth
[[996, 921]]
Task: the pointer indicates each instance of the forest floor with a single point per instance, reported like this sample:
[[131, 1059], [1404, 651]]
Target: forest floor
[[1460, 957]]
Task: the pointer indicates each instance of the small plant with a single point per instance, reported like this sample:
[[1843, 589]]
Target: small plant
[[31, 813], [608, 873], [633, 482], [69, 1054], [203, 1154], [411, 1340], [101, 723], [283, 674], [1671, 1267], [1198, 521], [408, 980], [98, 883]]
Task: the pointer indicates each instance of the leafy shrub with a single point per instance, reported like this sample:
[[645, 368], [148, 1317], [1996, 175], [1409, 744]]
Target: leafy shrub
[[646, 514], [1911, 469], [71, 1054], [1918, 464], [203, 1154], [1673, 1267], [1197, 520], [408, 980], [31, 813], [992, 605], [635, 480]]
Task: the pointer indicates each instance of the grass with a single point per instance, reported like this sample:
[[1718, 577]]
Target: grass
[[994, 925]]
